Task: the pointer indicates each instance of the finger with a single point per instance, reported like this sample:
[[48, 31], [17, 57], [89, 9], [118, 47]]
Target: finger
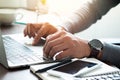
[[32, 31], [53, 36], [56, 49], [28, 29], [34, 28], [37, 26], [64, 54], [41, 33], [50, 44], [25, 30], [50, 38]]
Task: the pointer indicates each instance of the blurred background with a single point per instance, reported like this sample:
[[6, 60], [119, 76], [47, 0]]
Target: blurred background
[[107, 27]]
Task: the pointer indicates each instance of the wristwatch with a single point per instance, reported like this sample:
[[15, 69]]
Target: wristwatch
[[96, 46]]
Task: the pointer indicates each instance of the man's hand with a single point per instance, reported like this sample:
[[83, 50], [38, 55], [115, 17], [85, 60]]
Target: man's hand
[[39, 30], [66, 44]]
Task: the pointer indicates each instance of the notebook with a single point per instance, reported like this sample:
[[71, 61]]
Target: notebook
[[16, 53], [113, 75], [103, 69]]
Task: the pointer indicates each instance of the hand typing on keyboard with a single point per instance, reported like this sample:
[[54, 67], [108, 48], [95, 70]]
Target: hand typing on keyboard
[[47, 59]]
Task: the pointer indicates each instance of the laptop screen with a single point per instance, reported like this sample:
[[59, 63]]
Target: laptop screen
[[3, 59]]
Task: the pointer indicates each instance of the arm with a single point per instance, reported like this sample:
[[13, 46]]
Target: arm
[[69, 45], [87, 14], [79, 20], [111, 53]]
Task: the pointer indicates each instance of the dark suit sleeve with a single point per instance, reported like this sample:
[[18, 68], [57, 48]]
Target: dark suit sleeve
[[111, 53]]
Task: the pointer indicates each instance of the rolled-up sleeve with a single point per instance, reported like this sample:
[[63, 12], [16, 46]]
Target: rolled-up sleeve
[[87, 14]]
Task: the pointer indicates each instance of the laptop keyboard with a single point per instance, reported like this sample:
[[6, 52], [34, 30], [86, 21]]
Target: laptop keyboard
[[19, 53]]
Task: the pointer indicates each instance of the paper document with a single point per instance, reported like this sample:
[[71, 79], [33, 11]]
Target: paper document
[[104, 68]]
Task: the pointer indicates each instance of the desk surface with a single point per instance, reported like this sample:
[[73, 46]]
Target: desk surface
[[23, 74]]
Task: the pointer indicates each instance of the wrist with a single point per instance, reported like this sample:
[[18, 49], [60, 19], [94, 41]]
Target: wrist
[[85, 48], [64, 28], [96, 47], [99, 55], [88, 50], [61, 27]]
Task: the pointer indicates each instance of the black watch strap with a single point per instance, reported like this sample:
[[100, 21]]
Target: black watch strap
[[94, 53]]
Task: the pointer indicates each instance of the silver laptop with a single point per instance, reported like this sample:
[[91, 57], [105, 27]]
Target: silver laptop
[[16, 55]]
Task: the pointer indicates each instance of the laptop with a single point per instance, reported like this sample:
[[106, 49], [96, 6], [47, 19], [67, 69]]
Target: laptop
[[14, 54]]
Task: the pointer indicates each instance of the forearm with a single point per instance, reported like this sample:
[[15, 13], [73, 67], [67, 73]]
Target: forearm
[[87, 14]]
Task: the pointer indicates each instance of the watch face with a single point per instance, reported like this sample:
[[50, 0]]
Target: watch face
[[96, 44]]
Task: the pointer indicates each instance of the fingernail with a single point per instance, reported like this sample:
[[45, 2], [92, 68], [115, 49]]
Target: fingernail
[[44, 55]]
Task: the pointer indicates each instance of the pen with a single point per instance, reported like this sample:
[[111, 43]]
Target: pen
[[51, 61], [53, 66], [22, 23]]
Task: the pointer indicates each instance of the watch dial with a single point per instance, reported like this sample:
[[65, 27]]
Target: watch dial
[[96, 44]]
